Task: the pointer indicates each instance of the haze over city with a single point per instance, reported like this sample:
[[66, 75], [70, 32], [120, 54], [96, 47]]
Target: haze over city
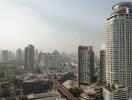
[[65, 50], [50, 25]]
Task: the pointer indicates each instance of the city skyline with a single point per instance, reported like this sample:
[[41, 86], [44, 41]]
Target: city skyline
[[53, 25], [66, 50]]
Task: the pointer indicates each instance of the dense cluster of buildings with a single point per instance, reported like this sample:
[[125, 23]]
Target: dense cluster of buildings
[[30, 58]]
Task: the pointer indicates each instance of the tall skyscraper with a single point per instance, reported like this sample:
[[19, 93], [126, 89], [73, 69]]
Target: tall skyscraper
[[4, 55], [85, 65], [29, 58], [19, 56], [119, 45], [36, 57], [103, 66]]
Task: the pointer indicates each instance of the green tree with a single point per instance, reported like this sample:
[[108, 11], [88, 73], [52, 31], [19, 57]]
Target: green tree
[[76, 91], [113, 87]]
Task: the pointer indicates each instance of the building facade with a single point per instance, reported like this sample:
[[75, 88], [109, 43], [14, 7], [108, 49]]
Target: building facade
[[55, 60], [85, 65], [36, 57], [11, 56], [44, 60], [103, 66], [118, 45], [4, 56], [29, 58], [119, 93], [19, 56]]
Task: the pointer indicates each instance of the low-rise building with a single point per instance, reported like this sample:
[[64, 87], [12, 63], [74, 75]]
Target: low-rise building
[[36, 86], [115, 92]]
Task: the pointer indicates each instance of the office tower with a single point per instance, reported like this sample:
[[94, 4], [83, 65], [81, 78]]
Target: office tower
[[119, 45], [116, 93], [11, 56], [0, 56], [103, 66], [19, 56], [42, 59], [36, 57], [29, 58], [4, 55], [85, 65], [55, 60]]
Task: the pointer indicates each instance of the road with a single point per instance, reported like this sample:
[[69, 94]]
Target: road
[[64, 90]]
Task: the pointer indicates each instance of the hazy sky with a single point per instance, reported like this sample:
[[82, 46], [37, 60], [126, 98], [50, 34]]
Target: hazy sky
[[53, 24]]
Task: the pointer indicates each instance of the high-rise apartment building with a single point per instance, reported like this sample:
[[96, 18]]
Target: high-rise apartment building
[[36, 57], [103, 66], [55, 60], [11, 56], [29, 58], [44, 60], [19, 56], [119, 45], [4, 55], [85, 65]]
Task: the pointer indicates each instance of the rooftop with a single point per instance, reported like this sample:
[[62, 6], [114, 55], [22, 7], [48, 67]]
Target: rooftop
[[123, 7]]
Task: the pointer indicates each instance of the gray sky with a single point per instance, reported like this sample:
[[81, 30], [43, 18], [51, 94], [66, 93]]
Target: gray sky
[[53, 24]]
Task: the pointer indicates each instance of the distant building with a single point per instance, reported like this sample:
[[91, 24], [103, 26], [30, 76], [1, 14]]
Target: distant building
[[119, 93], [19, 56], [0, 56], [29, 58], [103, 66], [4, 55], [11, 56], [55, 60], [44, 60], [36, 57], [85, 65]]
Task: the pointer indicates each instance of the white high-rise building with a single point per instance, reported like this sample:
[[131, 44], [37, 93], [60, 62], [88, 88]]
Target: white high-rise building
[[119, 45], [44, 60], [55, 60]]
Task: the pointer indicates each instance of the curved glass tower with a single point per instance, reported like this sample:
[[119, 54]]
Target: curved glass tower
[[119, 45]]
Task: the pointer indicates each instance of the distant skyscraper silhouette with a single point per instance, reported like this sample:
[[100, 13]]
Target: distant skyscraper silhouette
[[19, 56], [4, 55], [29, 58], [44, 59], [36, 57], [11, 56], [54, 60]]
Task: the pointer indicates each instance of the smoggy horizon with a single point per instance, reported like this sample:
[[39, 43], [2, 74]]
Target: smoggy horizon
[[49, 25]]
